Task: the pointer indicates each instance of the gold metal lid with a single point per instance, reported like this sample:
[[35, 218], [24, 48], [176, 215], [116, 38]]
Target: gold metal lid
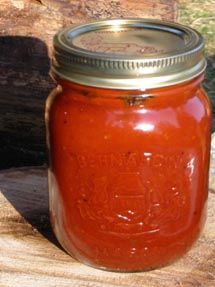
[[128, 54]]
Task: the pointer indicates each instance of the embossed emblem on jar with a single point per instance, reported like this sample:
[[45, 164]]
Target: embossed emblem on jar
[[131, 200]]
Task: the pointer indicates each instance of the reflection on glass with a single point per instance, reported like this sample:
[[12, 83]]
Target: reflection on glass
[[145, 127]]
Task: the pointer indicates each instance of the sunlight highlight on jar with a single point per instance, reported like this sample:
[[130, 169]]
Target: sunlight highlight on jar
[[145, 127]]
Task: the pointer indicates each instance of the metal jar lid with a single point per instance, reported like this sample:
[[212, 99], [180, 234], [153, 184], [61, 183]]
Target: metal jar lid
[[128, 54]]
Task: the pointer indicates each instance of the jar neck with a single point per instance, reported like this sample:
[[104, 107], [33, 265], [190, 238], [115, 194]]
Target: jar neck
[[186, 87]]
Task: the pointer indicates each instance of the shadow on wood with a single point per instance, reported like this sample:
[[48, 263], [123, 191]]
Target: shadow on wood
[[24, 86], [31, 203]]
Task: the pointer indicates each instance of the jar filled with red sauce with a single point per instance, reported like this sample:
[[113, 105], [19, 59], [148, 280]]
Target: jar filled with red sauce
[[128, 132]]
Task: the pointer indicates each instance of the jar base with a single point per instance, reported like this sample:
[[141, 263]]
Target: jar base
[[120, 270]]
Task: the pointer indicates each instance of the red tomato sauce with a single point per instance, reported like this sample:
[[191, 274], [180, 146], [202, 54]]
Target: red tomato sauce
[[128, 172]]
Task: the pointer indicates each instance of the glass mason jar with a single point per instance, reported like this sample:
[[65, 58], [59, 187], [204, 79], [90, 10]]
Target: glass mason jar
[[128, 132]]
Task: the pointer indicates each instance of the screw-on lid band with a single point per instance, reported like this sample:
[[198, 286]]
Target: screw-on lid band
[[128, 54]]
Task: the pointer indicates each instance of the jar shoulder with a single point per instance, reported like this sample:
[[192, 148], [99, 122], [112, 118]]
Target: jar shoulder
[[206, 100], [188, 102], [53, 96]]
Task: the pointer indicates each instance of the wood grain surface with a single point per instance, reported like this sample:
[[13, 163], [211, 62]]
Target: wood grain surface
[[26, 31], [30, 255]]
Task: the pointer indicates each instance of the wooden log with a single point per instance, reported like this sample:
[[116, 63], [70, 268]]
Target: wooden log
[[26, 32], [31, 256]]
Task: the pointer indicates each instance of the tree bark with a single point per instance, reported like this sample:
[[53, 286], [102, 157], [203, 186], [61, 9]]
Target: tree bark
[[27, 29]]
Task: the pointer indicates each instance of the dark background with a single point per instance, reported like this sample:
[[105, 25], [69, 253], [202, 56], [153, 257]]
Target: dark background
[[24, 85]]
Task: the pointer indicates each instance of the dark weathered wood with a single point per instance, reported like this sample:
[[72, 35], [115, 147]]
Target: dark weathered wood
[[30, 255], [26, 31]]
